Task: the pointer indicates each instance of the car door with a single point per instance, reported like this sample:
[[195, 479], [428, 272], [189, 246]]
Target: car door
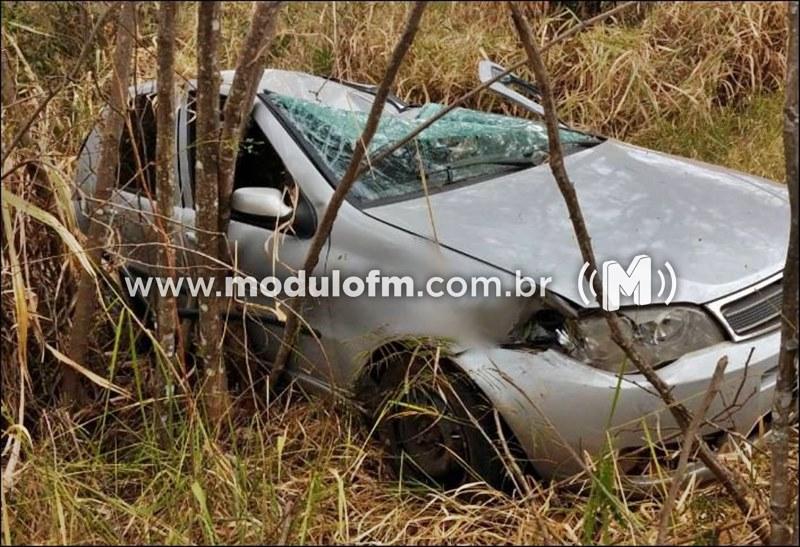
[[133, 200], [260, 247], [256, 243]]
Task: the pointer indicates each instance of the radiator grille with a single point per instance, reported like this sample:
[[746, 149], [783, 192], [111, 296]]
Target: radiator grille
[[759, 311]]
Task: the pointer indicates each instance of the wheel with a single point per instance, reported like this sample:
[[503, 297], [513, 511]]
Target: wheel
[[437, 427]]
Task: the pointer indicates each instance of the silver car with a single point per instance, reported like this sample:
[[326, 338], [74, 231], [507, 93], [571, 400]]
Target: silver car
[[457, 388]]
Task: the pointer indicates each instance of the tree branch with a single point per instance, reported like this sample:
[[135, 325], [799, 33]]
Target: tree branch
[[686, 449], [239, 103], [350, 176], [84, 53], [209, 343], [387, 151], [110, 133], [782, 489], [679, 412], [167, 312]]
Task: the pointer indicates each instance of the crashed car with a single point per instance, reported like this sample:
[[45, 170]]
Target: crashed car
[[457, 387]]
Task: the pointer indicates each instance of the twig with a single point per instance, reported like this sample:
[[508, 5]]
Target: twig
[[249, 69], [693, 538], [781, 489], [110, 134], [210, 328], [679, 412], [286, 522], [383, 153], [343, 188], [517, 474], [686, 450], [166, 306], [84, 53]]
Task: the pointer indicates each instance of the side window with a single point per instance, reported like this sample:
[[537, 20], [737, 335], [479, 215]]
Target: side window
[[137, 148], [257, 163]]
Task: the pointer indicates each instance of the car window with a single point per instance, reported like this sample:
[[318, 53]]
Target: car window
[[257, 163], [465, 144], [191, 132], [137, 148]]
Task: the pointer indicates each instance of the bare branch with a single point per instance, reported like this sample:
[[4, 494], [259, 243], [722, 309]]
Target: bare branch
[[686, 449], [386, 152], [240, 100], [9, 91], [782, 489], [82, 56], [167, 313], [111, 131], [679, 412], [209, 343], [350, 176]]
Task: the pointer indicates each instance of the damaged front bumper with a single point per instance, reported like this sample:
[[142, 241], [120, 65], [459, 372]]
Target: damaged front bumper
[[558, 407]]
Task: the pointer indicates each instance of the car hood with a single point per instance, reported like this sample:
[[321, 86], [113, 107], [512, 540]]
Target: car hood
[[720, 230]]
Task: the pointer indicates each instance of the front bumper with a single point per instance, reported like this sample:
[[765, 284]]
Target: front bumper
[[557, 406]]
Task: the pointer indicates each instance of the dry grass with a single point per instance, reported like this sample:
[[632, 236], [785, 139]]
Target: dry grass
[[304, 473], [657, 62], [747, 136], [701, 81]]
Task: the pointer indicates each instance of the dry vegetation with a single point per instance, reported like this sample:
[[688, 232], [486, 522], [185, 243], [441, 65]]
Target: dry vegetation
[[698, 80]]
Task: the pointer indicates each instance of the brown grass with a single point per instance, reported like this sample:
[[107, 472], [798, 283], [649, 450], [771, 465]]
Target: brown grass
[[305, 473], [698, 80]]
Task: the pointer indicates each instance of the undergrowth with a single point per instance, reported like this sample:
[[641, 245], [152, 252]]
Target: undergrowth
[[702, 81]]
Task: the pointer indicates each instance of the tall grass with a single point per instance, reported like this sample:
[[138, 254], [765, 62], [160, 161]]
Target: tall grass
[[659, 61], [697, 80], [302, 474]]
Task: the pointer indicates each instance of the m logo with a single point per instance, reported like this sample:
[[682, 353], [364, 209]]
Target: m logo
[[635, 281]]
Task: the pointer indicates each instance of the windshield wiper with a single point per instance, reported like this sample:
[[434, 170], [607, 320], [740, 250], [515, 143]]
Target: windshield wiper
[[516, 163], [523, 161]]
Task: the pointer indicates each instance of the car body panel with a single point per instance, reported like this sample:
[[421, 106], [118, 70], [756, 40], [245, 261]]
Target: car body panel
[[720, 230], [559, 407]]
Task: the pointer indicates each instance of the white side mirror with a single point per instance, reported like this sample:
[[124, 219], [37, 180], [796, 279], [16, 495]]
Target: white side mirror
[[487, 70], [263, 202]]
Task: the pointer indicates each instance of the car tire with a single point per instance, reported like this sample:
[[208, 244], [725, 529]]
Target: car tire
[[435, 424]]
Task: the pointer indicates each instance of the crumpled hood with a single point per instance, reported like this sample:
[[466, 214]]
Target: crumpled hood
[[719, 229]]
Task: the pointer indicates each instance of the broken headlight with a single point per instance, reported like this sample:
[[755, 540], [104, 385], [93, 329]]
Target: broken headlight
[[661, 334]]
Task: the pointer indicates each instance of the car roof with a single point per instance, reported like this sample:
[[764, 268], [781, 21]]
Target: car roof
[[301, 85]]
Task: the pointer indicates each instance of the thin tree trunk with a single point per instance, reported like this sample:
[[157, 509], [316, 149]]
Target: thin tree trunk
[[167, 312], [111, 131], [679, 412], [292, 326], [9, 91], [239, 103], [215, 383], [782, 490]]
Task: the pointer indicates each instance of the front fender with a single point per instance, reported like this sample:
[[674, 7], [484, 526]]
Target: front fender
[[560, 408]]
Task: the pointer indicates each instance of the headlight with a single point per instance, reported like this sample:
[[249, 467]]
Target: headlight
[[662, 334]]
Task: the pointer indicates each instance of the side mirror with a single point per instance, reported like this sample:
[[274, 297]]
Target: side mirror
[[262, 202], [511, 87]]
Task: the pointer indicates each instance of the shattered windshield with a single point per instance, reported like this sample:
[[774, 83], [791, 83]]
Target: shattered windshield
[[463, 145]]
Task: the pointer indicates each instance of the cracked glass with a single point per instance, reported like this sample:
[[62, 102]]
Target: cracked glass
[[465, 144]]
